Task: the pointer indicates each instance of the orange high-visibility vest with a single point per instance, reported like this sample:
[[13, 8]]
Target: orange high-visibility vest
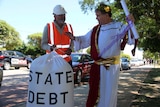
[[61, 41]]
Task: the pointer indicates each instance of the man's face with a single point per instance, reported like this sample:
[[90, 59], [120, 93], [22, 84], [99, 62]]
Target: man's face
[[60, 19], [102, 18]]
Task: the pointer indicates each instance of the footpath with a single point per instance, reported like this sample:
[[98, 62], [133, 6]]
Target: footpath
[[129, 85], [130, 82]]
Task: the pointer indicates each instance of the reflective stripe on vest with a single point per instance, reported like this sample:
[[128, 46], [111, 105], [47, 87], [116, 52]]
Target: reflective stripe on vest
[[60, 48], [52, 36], [51, 33], [69, 28]]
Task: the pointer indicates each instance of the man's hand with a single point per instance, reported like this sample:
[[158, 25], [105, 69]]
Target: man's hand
[[130, 17], [68, 51], [70, 35], [52, 47]]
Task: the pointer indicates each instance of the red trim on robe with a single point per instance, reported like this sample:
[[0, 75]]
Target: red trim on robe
[[95, 70]]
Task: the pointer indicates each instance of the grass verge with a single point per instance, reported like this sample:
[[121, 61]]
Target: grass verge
[[149, 93]]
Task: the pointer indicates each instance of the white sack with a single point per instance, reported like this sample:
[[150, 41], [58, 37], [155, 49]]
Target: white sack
[[51, 82]]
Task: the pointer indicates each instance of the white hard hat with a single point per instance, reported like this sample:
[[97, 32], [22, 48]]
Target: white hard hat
[[58, 10]]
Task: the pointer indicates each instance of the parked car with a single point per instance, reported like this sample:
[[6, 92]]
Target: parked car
[[134, 62], [140, 62], [125, 64], [14, 59], [81, 63], [1, 75]]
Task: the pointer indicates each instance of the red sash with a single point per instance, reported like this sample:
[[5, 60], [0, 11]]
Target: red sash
[[95, 70]]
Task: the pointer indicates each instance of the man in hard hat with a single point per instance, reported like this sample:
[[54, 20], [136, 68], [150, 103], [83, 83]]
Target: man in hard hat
[[54, 37]]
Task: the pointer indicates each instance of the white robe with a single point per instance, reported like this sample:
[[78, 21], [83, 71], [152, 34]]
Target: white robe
[[108, 78]]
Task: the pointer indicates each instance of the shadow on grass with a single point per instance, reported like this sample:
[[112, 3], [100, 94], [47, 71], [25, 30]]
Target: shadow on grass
[[149, 93], [129, 83]]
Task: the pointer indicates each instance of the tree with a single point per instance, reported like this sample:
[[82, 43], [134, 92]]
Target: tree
[[147, 17], [146, 13], [123, 55], [89, 5], [35, 39], [34, 45], [22, 48], [9, 37]]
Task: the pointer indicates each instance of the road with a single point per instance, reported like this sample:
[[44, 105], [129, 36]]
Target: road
[[13, 92], [14, 87]]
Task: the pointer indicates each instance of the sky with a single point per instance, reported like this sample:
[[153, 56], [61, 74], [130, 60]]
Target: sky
[[30, 16]]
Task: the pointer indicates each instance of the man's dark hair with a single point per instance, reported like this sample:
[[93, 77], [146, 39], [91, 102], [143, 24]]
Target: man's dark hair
[[103, 8]]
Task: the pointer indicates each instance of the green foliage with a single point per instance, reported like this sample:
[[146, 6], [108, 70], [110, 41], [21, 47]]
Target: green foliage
[[34, 51], [146, 14], [125, 56], [90, 5], [147, 54], [147, 17], [22, 48], [9, 37], [87, 5], [34, 45], [35, 39], [10, 40]]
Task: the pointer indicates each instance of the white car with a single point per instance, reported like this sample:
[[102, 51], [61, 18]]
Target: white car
[[134, 62], [125, 64], [141, 62]]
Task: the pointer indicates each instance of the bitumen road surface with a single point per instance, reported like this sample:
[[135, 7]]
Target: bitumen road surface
[[13, 92]]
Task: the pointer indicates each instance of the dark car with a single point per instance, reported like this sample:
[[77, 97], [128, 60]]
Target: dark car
[[1, 75], [125, 64], [14, 59], [81, 63]]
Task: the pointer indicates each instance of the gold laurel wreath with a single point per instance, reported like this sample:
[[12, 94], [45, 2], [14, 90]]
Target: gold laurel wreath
[[104, 8], [107, 9]]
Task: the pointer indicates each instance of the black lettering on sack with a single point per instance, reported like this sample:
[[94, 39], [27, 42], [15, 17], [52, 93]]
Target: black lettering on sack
[[52, 98], [64, 96], [30, 76], [40, 97], [31, 96], [38, 75], [48, 79], [59, 77], [68, 76]]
